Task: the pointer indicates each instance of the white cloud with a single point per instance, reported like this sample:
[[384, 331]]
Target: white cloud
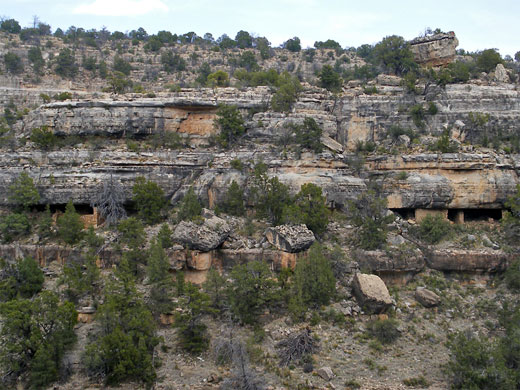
[[120, 7]]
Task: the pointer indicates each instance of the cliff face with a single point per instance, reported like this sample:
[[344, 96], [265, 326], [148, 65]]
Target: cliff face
[[435, 50]]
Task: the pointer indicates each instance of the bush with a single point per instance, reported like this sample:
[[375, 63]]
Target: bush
[[251, 290], [309, 208], [231, 124], [23, 193], [512, 275], [44, 138], [393, 54], [35, 335], [70, 226], [13, 226], [418, 115], [313, 281], [330, 79], [120, 65], [385, 331], [66, 64], [172, 62], [444, 144], [308, 135], [10, 26], [218, 79], [190, 207], [488, 59], [233, 203], [433, 228], [35, 57], [149, 199], [287, 93], [293, 45], [13, 63], [118, 83], [21, 280], [369, 213]]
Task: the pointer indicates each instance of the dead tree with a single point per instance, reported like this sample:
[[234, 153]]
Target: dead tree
[[109, 201], [242, 376], [294, 348]]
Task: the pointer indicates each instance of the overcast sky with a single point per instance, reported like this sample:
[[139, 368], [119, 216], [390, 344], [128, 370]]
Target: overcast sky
[[478, 24]]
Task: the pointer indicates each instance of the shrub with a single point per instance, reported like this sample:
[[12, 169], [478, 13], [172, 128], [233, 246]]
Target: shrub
[[432, 108], [309, 134], [418, 116], [13, 226], [13, 63], [70, 226], [369, 213], [293, 45], [35, 57], [218, 79], [190, 207], [231, 124], [43, 137], [287, 93], [132, 233], [248, 61], [433, 228], [512, 275], [21, 280], [233, 203], [118, 83], [66, 64], [511, 220], [172, 62], [23, 193], [120, 65], [10, 26], [164, 236], [385, 331], [444, 144], [330, 79], [149, 200], [488, 59], [394, 55], [309, 208], [313, 281], [251, 290]]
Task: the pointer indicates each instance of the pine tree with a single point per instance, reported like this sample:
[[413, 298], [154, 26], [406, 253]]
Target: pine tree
[[70, 226], [23, 193], [189, 207], [234, 201]]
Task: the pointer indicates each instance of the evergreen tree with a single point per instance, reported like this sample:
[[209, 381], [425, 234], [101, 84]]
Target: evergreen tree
[[215, 286], [231, 124], [149, 200], [330, 79], [165, 236], [23, 193], [234, 200], [20, 280], [70, 226], [189, 207]]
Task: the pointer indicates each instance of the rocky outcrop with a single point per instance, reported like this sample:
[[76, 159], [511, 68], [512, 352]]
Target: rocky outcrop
[[384, 262], [435, 50], [371, 293], [290, 238], [205, 237], [426, 297], [468, 260]]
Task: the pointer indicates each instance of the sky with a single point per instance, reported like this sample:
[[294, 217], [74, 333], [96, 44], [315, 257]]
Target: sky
[[478, 24]]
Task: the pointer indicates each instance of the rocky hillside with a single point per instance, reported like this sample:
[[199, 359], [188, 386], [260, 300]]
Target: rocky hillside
[[432, 157]]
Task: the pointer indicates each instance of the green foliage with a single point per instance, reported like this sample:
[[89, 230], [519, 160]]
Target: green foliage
[[45, 223], [393, 54], [192, 331], [330, 79], [287, 93], [44, 138], [418, 115], [66, 64], [328, 44], [293, 45], [20, 280], [165, 236], [81, 277], [132, 233], [433, 228], [248, 61], [157, 264], [432, 108], [308, 135], [172, 62], [309, 207], [233, 203], [270, 195], [268, 77], [121, 65], [13, 63], [444, 144], [313, 281], [149, 199], [23, 193], [512, 275], [35, 57], [204, 71], [251, 290], [231, 124], [70, 226], [511, 220], [395, 131], [369, 213], [190, 207], [13, 226], [385, 331], [488, 59], [10, 26], [215, 286], [34, 337], [127, 337], [218, 79], [118, 83], [243, 39], [154, 44]]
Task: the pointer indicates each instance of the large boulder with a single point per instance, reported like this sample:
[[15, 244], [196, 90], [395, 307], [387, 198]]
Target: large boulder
[[435, 50], [426, 297], [290, 238], [205, 237], [501, 74], [371, 293]]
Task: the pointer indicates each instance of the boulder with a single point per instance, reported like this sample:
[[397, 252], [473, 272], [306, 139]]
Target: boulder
[[501, 74], [426, 297], [388, 80], [331, 144], [435, 50], [371, 293], [290, 238], [205, 237], [325, 373]]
